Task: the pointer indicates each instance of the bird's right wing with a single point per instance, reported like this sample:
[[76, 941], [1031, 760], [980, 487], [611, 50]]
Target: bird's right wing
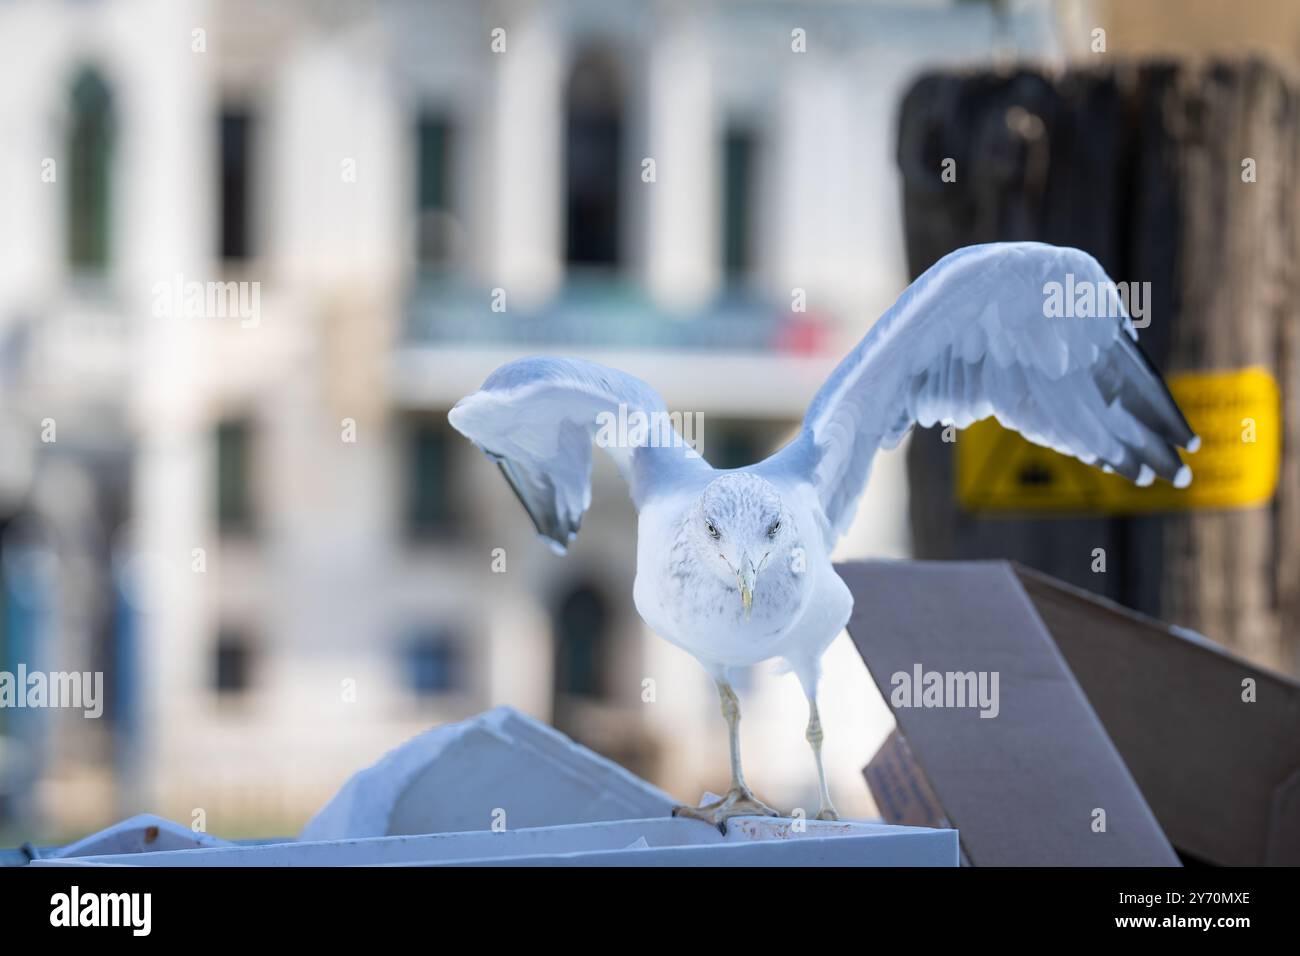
[[537, 419]]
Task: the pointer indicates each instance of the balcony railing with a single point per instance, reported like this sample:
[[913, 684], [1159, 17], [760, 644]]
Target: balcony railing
[[609, 314]]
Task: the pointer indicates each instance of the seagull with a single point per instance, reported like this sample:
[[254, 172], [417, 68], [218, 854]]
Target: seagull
[[734, 565]]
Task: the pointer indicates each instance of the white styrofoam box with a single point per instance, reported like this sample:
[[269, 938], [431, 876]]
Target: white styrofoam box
[[463, 776], [139, 834], [660, 841]]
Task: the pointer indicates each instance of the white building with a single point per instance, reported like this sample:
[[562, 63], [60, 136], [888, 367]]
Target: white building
[[257, 522]]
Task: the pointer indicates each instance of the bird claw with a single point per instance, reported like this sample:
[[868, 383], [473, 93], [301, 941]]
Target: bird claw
[[739, 802], [827, 813]]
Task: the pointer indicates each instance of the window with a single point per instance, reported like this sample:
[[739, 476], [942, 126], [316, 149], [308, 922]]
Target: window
[[432, 664], [234, 501], [433, 191], [582, 644], [90, 155], [739, 153], [592, 162], [235, 136], [429, 511], [232, 664]]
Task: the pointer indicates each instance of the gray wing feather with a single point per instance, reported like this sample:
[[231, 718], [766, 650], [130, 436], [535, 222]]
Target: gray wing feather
[[537, 418], [971, 339]]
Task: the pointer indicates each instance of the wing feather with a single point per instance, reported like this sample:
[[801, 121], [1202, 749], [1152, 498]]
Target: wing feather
[[537, 419], [972, 338]]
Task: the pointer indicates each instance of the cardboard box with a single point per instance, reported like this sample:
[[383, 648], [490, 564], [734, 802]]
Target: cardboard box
[[1220, 771], [1107, 738]]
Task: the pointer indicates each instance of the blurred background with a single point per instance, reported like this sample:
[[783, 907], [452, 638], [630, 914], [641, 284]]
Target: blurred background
[[243, 504]]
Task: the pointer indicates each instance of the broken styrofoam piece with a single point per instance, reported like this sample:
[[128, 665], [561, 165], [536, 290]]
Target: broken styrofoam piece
[[498, 769], [659, 841], [143, 833]]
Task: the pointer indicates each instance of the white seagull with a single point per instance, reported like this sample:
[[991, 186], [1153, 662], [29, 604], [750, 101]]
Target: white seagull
[[734, 565]]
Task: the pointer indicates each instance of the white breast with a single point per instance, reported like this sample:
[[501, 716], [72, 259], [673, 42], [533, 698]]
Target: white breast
[[693, 608]]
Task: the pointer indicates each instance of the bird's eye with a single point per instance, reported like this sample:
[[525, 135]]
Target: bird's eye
[[776, 526], [712, 529]]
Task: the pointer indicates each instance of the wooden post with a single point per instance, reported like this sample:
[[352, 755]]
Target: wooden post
[[1142, 166]]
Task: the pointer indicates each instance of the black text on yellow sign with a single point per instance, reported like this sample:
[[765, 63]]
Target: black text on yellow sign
[[1237, 415]]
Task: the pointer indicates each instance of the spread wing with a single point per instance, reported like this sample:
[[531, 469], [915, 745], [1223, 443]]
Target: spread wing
[[537, 419], [975, 336]]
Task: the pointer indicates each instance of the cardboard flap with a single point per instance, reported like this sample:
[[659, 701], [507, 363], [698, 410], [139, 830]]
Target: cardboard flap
[[1035, 780], [1211, 739]]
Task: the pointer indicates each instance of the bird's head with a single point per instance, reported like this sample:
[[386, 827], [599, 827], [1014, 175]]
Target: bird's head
[[740, 529]]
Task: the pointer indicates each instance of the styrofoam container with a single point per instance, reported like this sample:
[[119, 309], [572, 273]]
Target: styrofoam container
[[660, 841], [460, 776]]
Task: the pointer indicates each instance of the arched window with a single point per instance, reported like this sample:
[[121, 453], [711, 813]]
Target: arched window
[[592, 161], [89, 172], [581, 644]]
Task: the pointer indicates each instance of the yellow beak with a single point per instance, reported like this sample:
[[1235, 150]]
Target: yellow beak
[[745, 578]]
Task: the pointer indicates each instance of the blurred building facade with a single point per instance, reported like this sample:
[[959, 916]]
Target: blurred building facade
[[252, 252]]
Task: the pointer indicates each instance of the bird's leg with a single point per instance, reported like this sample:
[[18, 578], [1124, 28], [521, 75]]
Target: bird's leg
[[814, 737], [731, 714], [740, 800]]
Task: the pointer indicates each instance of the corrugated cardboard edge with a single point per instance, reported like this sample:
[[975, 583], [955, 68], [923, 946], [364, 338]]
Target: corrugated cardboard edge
[[899, 786]]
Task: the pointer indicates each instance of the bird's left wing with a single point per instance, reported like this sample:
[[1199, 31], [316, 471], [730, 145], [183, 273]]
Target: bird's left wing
[[974, 337], [537, 419]]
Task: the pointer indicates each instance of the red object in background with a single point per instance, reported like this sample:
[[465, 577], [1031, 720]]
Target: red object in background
[[802, 333]]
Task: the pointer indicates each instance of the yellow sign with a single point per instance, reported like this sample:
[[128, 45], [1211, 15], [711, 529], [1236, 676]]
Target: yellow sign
[[1237, 415]]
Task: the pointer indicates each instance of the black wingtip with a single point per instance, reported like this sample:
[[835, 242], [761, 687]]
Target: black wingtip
[[1166, 411], [557, 532]]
